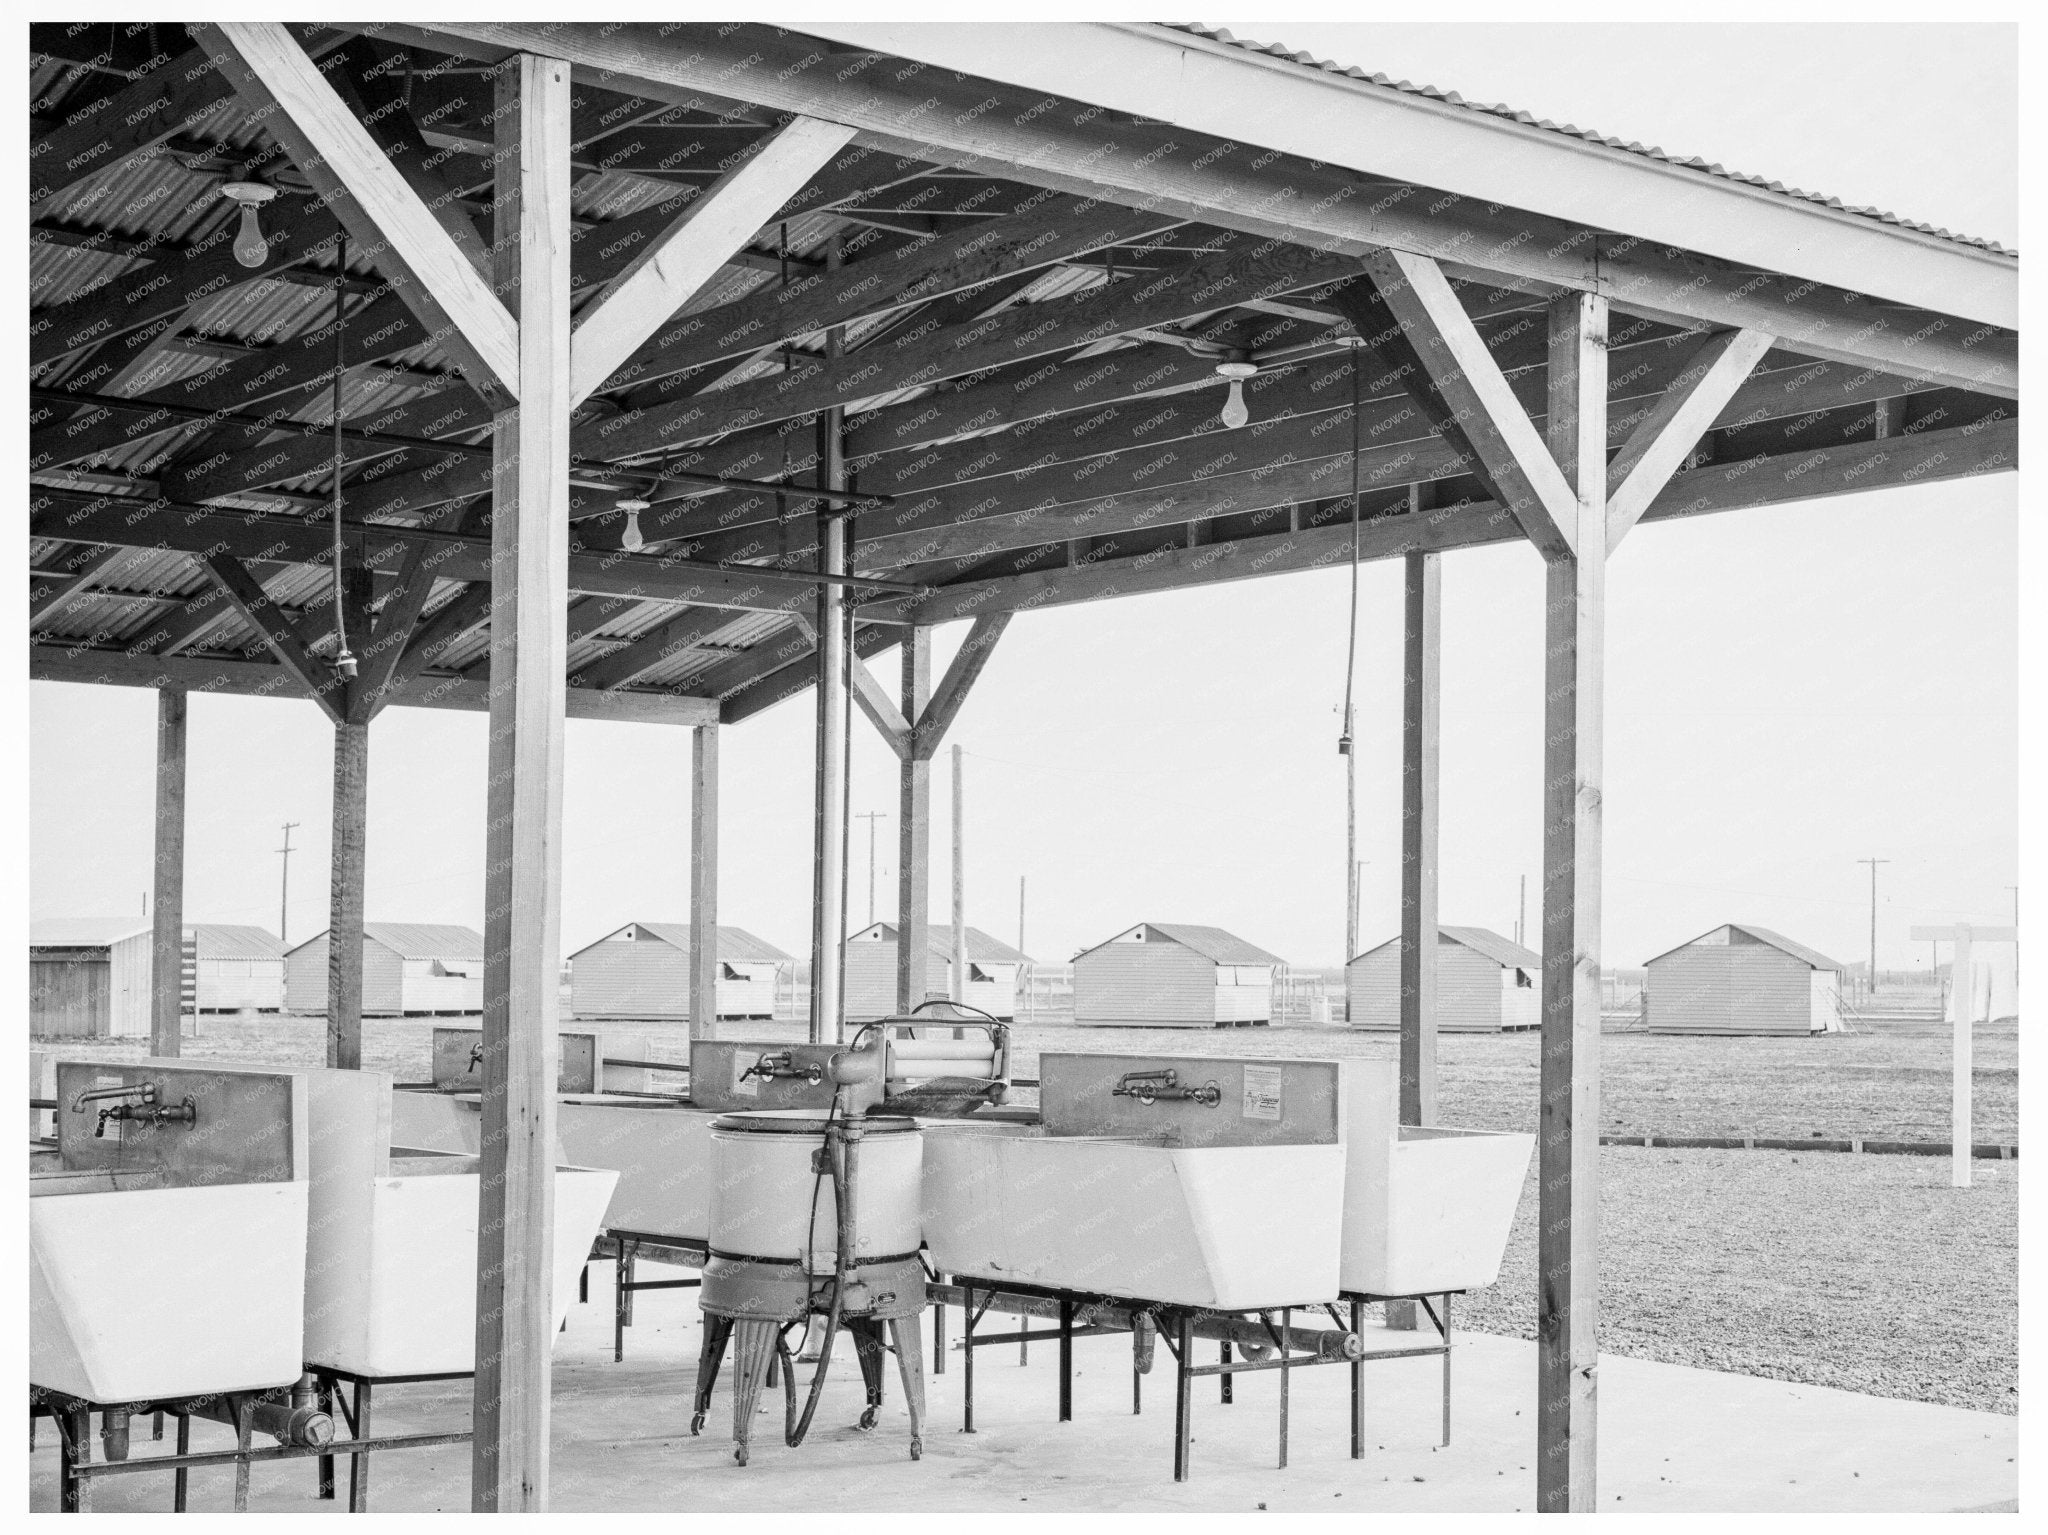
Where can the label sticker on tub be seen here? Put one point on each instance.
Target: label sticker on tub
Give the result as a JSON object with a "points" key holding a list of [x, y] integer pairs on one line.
{"points": [[1262, 1092]]}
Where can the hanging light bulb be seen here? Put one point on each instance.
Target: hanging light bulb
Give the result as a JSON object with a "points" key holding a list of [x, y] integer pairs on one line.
{"points": [[251, 249], [1235, 413], [631, 540]]}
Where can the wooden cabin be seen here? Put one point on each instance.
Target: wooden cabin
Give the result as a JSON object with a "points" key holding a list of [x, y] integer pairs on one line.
{"points": [[1174, 976], [408, 968], [643, 971], [1743, 979], [993, 968], [1485, 984]]}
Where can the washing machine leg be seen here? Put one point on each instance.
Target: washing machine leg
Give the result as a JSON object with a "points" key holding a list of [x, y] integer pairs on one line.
{"points": [[909, 1337], [717, 1332], [753, 1346]]}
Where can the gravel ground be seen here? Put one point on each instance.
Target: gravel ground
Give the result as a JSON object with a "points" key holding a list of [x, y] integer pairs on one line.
{"points": [[1865, 1273]]}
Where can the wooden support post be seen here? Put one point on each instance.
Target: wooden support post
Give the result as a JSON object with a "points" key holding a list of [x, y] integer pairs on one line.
{"points": [[167, 940], [1568, 1140], [1421, 709], [522, 884], [1962, 997], [704, 882], [834, 740], [960, 963], [914, 834], [345, 895]]}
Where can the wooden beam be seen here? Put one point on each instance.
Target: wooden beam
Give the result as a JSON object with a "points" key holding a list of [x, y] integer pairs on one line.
{"points": [[1421, 729], [515, 1328], [937, 718], [85, 568], [388, 642], [947, 117], [167, 912], [773, 684], [277, 631], [1473, 393], [1264, 545], [914, 833], [687, 630], [704, 956], [381, 209], [246, 678], [1568, 1135], [348, 870], [873, 699], [1664, 438], [702, 239]]}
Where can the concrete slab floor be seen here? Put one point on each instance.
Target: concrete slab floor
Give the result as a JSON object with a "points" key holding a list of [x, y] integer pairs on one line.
{"points": [[1672, 1439]]}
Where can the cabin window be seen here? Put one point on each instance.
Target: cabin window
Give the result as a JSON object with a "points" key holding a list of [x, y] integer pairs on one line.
{"points": [[978, 975], [727, 973], [1522, 978]]}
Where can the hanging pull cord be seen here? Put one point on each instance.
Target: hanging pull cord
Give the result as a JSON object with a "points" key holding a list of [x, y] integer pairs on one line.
{"points": [[1351, 647], [344, 663]]}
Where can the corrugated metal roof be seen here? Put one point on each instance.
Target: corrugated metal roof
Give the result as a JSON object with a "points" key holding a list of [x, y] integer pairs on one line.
{"points": [[1212, 943], [1799, 951], [418, 940], [733, 942], [1587, 135], [82, 932], [981, 947], [1502, 951], [228, 940]]}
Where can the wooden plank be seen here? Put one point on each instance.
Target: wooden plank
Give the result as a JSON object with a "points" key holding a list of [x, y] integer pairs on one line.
{"points": [[1664, 438], [382, 211], [961, 970], [167, 911], [1568, 1138], [277, 631], [523, 849], [348, 869], [702, 238], [773, 685], [937, 718], [704, 956], [685, 631], [880, 708], [85, 568], [379, 656], [1421, 730], [914, 832], [1474, 393]]}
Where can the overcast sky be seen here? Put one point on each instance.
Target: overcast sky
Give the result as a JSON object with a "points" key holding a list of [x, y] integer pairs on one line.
{"points": [[1789, 690]]}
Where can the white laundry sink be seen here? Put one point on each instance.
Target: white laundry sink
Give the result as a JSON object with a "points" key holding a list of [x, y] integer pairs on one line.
{"points": [[662, 1153], [1233, 1227], [391, 1266], [143, 1293], [426, 1120], [169, 1259], [1427, 1209]]}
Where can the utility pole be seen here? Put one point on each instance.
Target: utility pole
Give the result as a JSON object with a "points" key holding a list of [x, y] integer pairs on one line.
{"points": [[871, 816], [1023, 970], [1873, 862], [1522, 913], [1351, 880], [284, 885], [959, 884]]}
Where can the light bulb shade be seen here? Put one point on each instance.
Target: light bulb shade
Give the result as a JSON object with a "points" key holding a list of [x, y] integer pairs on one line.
{"points": [[251, 249], [630, 540], [1235, 413]]}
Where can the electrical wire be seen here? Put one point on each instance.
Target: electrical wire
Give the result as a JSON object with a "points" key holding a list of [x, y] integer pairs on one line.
{"points": [[344, 663]]}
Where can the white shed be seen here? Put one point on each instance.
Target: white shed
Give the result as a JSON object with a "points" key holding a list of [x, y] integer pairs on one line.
{"points": [[1743, 979], [992, 971], [643, 971], [1485, 984], [408, 967], [89, 978], [1174, 976], [237, 968]]}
